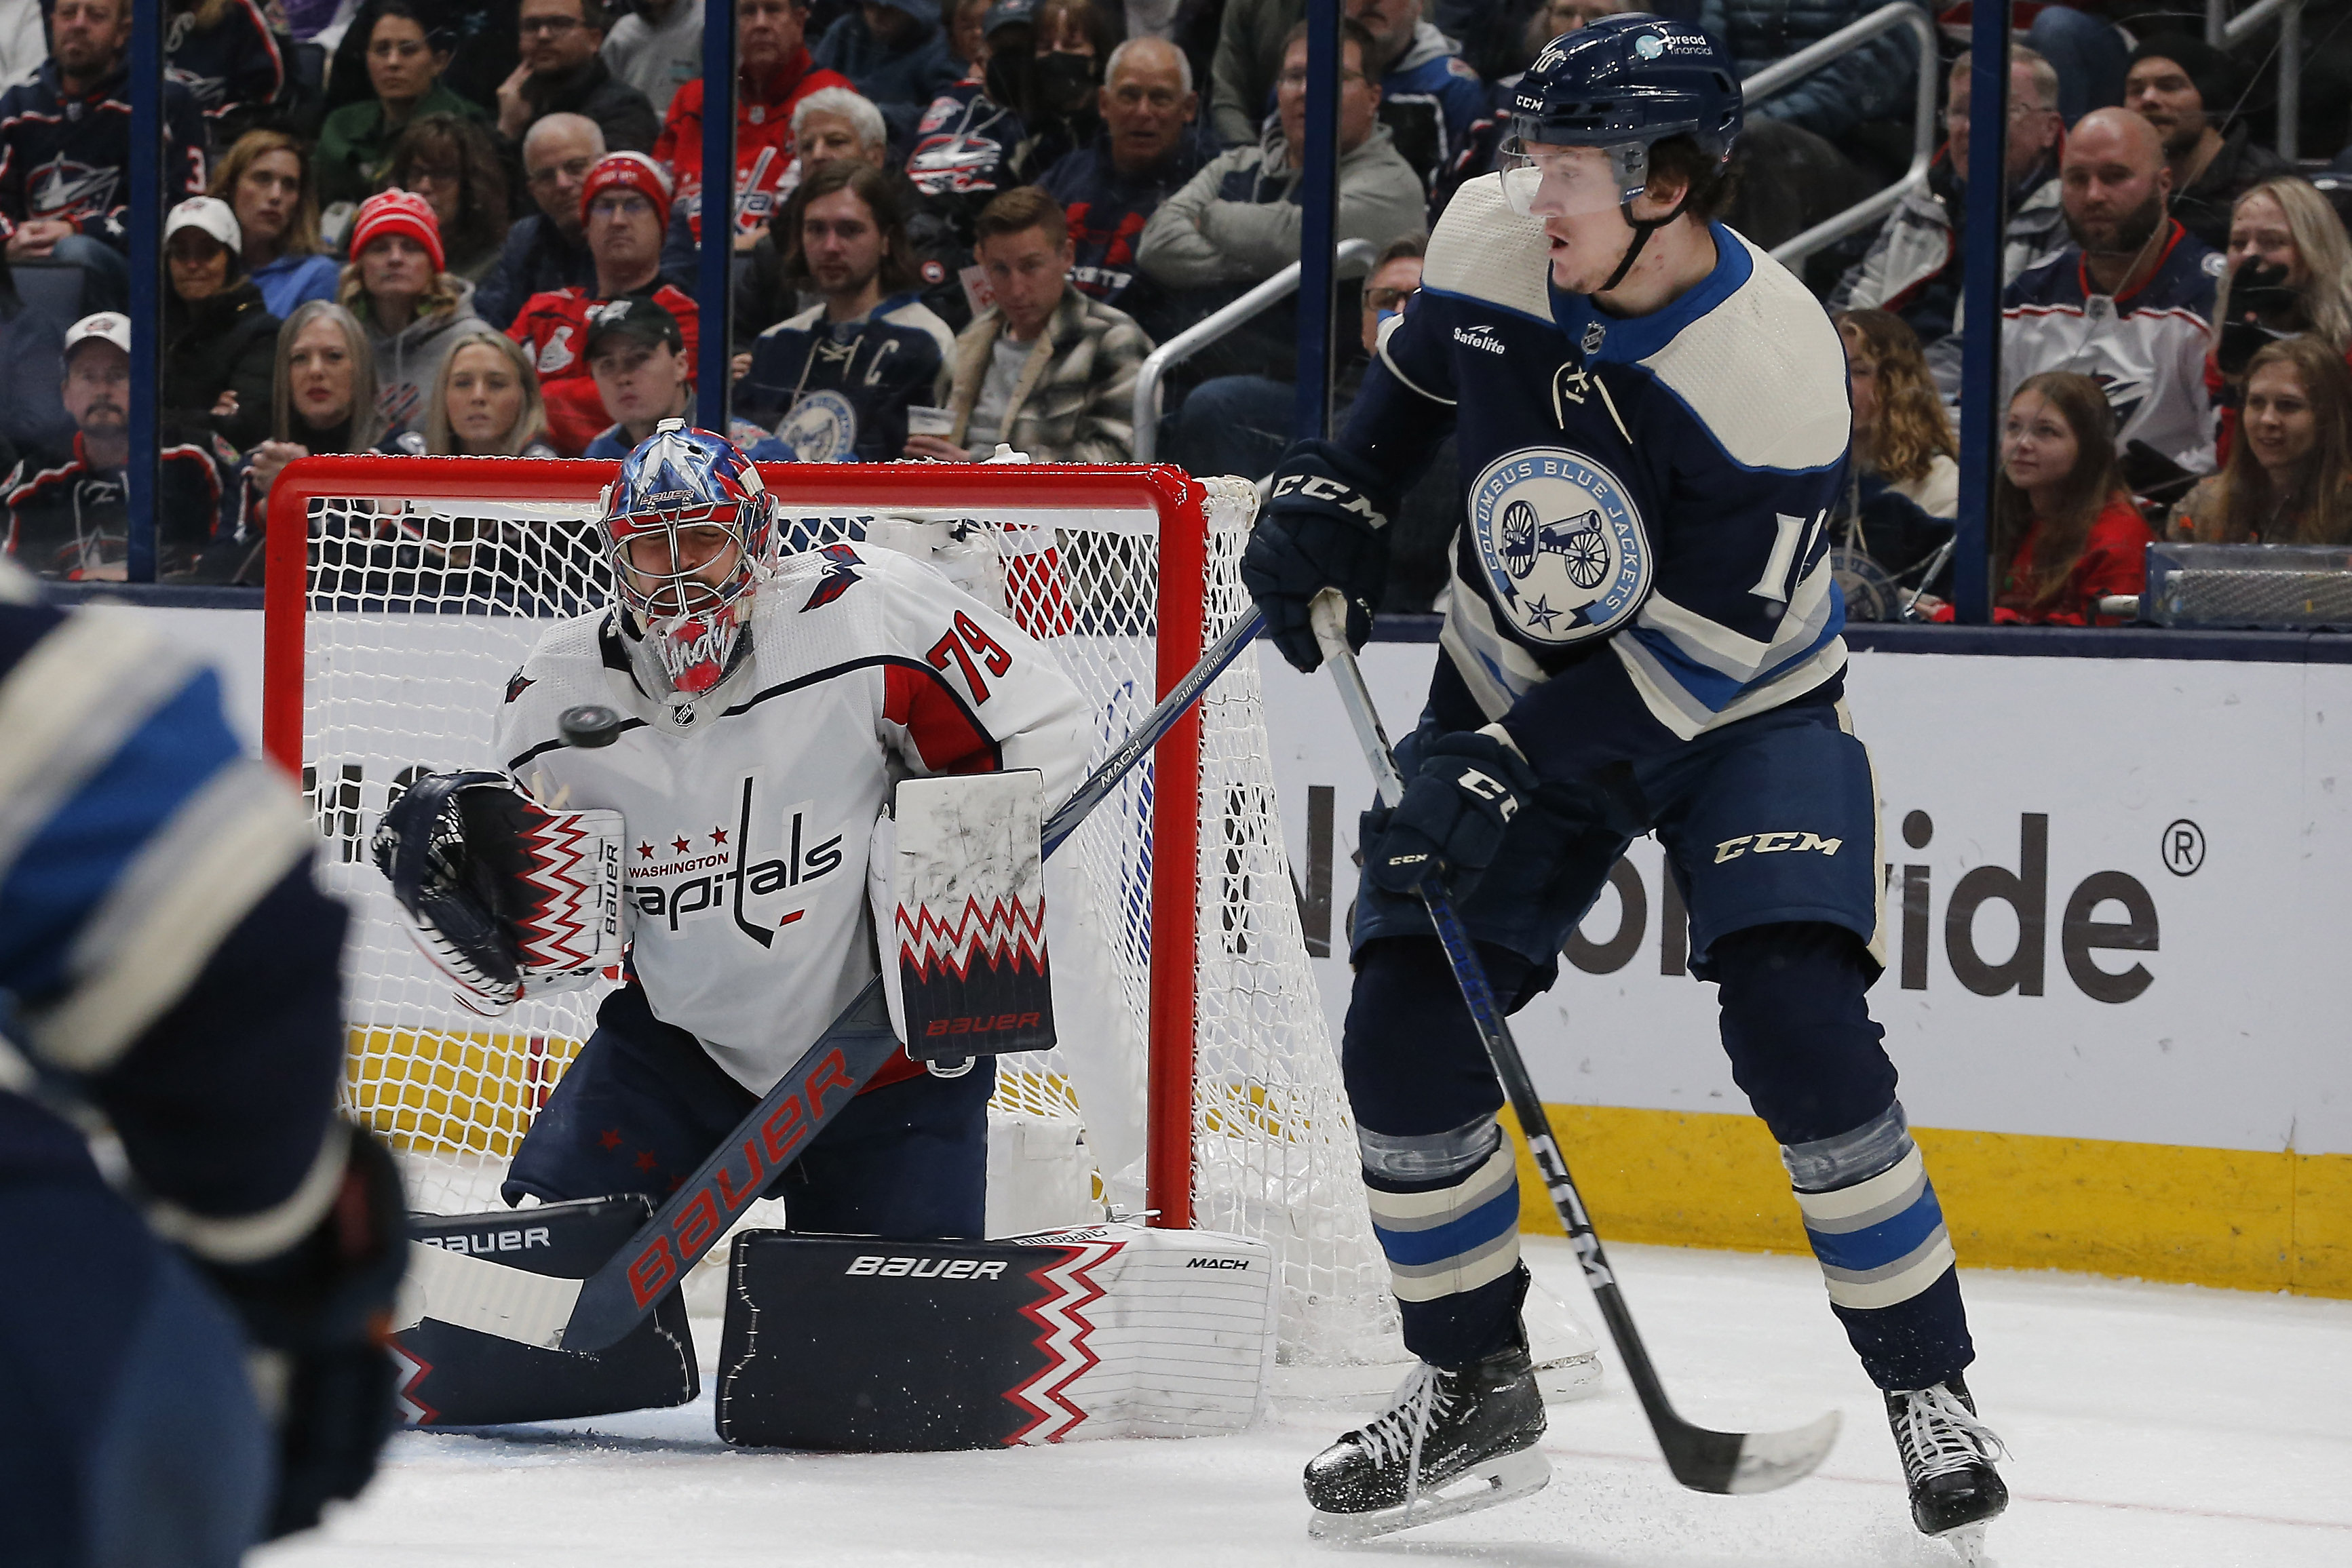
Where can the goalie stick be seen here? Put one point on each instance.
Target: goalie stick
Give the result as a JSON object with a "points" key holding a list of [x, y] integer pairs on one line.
{"points": [[1701, 1460], [589, 1314]]}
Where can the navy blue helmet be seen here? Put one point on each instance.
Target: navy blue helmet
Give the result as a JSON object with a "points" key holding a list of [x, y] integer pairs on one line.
{"points": [[1625, 83]]}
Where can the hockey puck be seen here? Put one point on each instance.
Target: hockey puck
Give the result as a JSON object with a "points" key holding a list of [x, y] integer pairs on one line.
{"points": [[589, 726]]}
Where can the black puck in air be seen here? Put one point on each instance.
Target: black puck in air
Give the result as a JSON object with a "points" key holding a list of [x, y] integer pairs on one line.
{"points": [[589, 726]]}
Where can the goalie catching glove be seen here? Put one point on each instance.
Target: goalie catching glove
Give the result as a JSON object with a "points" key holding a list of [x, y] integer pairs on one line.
{"points": [[508, 899], [1324, 526]]}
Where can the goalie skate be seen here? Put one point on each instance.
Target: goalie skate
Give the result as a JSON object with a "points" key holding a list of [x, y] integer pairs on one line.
{"points": [[1451, 1443]]}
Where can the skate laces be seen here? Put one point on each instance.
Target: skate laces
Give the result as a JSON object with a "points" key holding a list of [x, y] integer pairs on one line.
{"points": [[1940, 1436], [1397, 1432]]}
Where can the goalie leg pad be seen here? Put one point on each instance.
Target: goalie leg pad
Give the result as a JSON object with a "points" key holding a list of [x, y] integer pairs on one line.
{"points": [[452, 1377]]}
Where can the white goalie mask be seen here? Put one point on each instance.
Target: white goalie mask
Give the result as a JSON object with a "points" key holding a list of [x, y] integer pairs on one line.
{"points": [[689, 530]]}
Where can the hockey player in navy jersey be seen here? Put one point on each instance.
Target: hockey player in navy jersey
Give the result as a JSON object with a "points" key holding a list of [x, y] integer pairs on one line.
{"points": [[168, 969], [1642, 637]]}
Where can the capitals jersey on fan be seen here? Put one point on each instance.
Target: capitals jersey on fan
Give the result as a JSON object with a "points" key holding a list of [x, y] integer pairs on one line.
{"points": [[1642, 557], [837, 392], [553, 327], [748, 810], [69, 157], [767, 169], [2146, 348]]}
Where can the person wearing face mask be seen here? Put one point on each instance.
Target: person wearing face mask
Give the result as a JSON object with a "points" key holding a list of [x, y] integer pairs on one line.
{"points": [[218, 337], [2290, 272], [975, 139], [1071, 48], [2289, 478]]}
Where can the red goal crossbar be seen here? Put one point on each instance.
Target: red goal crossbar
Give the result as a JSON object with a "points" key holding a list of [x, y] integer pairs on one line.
{"points": [[1168, 492]]}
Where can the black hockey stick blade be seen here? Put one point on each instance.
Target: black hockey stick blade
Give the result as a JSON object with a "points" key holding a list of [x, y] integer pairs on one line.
{"points": [[591, 1313], [1700, 1458]]}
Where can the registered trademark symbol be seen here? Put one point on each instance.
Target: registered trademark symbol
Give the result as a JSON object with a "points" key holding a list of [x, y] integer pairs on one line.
{"points": [[2184, 848]]}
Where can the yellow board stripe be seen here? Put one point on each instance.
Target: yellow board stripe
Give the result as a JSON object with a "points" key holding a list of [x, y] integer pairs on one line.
{"points": [[2240, 1219]]}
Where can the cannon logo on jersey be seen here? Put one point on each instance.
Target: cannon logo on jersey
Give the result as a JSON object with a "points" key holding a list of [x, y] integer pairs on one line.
{"points": [[821, 428], [1563, 550]]}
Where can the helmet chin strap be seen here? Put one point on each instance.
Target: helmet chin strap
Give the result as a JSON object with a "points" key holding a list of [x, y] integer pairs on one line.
{"points": [[1643, 229]]}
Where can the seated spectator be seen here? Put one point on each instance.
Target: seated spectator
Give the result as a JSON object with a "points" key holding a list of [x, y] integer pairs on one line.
{"points": [[72, 519], [894, 52], [1917, 263], [450, 162], [266, 181], [2186, 89], [838, 123], [2064, 530], [33, 420], [1430, 97], [1251, 45], [637, 359], [220, 340], [561, 73], [398, 287], [1234, 224], [546, 250], [2289, 478], [408, 50], [773, 75], [2126, 304], [1421, 541], [1903, 478], [2090, 53], [1148, 150], [1068, 54], [486, 402], [226, 54], [657, 48], [974, 140], [324, 401], [1845, 100], [1044, 367], [624, 208], [966, 44], [2290, 273], [65, 151], [836, 381]]}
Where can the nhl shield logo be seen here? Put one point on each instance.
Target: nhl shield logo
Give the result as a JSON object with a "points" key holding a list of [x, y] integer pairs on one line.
{"points": [[1561, 545]]}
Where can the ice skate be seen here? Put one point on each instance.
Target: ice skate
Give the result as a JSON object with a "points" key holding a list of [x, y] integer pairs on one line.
{"points": [[1452, 1442], [1947, 1457]]}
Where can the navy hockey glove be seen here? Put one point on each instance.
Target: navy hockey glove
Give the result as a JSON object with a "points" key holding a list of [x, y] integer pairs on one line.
{"points": [[1324, 526], [1453, 815]]}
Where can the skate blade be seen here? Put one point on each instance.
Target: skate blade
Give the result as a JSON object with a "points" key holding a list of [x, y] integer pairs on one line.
{"points": [[1968, 1540], [1497, 1481]]}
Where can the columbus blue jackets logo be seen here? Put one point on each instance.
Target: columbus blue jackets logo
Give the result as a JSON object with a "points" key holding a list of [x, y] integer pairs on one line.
{"points": [[62, 188], [1560, 543], [821, 428]]}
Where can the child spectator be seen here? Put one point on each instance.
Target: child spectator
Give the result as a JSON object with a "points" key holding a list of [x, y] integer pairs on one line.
{"points": [[2287, 477], [324, 401], [563, 73], [1044, 367], [397, 286], [1903, 486], [2064, 530], [219, 339], [546, 250], [486, 403], [895, 52], [449, 160], [2290, 272], [406, 53], [266, 181], [227, 57]]}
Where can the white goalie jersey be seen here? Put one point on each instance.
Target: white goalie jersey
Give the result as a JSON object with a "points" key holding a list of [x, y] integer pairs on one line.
{"points": [[749, 809]]}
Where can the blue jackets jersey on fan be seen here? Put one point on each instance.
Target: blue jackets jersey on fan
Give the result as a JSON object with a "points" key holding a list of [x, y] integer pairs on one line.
{"points": [[1642, 557], [69, 158], [839, 391]]}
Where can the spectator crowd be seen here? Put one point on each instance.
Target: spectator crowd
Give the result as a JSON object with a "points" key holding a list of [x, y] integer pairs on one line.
{"points": [[962, 225]]}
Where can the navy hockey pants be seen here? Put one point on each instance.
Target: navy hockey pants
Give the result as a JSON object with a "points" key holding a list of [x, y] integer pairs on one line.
{"points": [[1769, 827], [643, 1104], [129, 1431]]}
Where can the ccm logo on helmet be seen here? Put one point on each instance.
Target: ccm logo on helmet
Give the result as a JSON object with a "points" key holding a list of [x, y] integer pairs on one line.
{"points": [[926, 1267], [1773, 844]]}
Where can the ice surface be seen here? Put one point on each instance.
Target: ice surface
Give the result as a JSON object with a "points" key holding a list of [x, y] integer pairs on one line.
{"points": [[2148, 1424]]}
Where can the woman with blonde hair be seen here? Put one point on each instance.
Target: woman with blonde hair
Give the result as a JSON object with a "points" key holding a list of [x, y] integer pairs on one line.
{"points": [[1903, 481], [2289, 272], [2289, 476], [486, 403], [266, 181], [325, 400], [2065, 533]]}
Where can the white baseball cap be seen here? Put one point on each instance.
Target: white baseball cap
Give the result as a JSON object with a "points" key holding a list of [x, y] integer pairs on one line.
{"points": [[211, 215], [107, 325]]}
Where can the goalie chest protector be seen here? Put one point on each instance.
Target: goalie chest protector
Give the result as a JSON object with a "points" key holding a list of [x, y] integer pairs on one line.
{"points": [[452, 1377], [849, 1343]]}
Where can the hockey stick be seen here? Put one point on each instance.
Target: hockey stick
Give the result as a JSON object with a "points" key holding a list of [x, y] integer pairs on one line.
{"points": [[1701, 1460], [589, 1314]]}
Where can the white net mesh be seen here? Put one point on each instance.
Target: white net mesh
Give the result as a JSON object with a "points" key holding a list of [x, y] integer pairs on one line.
{"points": [[419, 612]]}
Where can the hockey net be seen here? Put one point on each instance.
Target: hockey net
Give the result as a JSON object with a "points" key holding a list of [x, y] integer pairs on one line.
{"points": [[1209, 1092]]}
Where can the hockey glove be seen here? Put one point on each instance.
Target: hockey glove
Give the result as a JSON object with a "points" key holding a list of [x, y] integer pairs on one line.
{"points": [[505, 898], [319, 1314], [1324, 526], [1453, 816]]}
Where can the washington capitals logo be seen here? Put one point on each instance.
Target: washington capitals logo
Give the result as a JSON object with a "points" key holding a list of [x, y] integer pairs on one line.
{"points": [[839, 573], [517, 684]]}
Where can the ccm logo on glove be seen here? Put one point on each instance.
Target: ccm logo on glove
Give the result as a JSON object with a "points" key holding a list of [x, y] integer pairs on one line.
{"points": [[1320, 488], [1506, 805]]}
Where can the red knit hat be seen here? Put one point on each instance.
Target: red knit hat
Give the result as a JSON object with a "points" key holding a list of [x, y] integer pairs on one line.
{"points": [[398, 213], [629, 170]]}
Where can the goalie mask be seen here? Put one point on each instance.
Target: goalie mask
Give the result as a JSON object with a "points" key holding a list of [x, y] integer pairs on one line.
{"points": [[689, 530]]}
